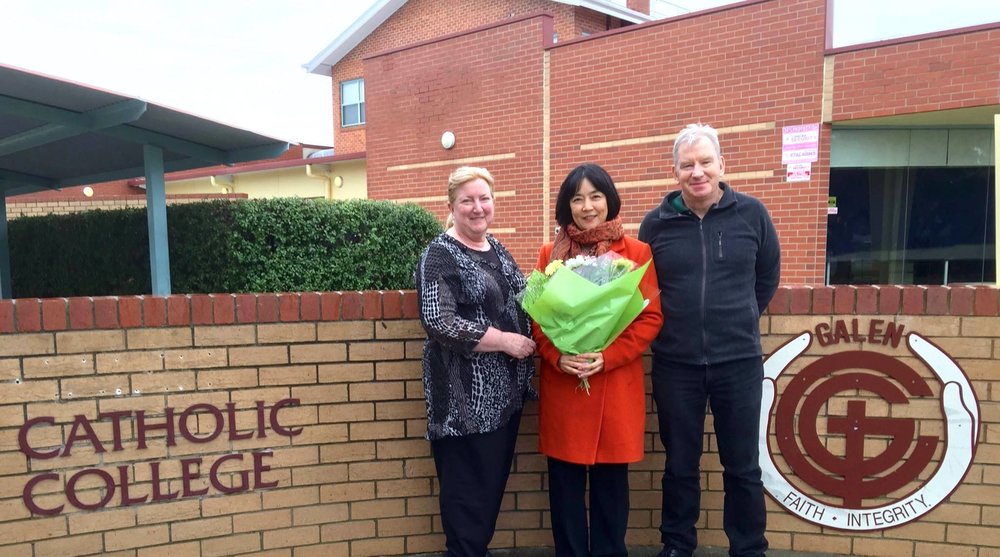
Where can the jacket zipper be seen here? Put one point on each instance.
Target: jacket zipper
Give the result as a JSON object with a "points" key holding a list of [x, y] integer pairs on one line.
{"points": [[720, 245], [704, 287]]}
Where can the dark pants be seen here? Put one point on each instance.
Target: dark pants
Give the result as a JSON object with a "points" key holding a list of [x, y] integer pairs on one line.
{"points": [[733, 389], [608, 508], [472, 472]]}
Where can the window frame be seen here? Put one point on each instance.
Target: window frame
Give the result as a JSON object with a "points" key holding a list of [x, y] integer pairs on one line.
{"points": [[360, 105]]}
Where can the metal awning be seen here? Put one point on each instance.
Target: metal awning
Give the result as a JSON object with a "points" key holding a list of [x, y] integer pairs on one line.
{"points": [[55, 133]]}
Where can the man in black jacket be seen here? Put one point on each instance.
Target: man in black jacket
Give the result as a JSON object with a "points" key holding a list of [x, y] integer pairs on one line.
{"points": [[718, 263]]}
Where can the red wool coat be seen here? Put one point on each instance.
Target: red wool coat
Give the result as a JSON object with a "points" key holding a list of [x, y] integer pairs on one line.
{"points": [[607, 426]]}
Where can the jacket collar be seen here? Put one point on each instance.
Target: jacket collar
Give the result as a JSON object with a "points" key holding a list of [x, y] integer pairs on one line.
{"points": [[668, 211]]}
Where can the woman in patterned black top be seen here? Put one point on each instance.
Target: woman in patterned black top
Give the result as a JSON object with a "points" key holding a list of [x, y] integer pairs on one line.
{"points": [[477, 362]]}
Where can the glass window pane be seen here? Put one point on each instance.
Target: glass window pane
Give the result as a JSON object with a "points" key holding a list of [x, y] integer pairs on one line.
{"points": [[349, 93], [349, 115], [362, 120], [860, 236], [948, 235], [869, 148], [912, 225], [970, 147], [928, 147]]}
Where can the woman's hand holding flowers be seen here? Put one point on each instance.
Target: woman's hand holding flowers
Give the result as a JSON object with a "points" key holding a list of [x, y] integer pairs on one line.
{"points": [[591, 363], [582, 366]]}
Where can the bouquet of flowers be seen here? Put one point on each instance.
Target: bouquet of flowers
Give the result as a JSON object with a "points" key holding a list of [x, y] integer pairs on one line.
{"points": [[584, 303]]}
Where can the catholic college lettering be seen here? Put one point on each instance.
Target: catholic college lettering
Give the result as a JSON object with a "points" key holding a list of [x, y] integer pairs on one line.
{"points": [[184, 423]]}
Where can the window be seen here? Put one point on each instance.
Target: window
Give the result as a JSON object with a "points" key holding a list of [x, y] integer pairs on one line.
{"points": [[352, 102], [912, 207]]}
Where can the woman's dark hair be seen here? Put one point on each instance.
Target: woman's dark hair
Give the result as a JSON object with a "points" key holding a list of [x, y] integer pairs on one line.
{"points": [[599, 178]]}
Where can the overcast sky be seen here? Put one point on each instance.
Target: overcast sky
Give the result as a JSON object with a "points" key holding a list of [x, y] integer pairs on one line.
{"points": [[234, 61], [240, 61]]}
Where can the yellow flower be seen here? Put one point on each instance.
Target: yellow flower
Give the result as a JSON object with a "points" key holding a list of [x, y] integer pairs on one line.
{"points": [[621, 266], [552, 267]]}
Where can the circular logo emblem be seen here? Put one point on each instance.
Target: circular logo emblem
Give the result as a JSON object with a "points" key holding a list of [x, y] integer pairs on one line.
{"points": [[850, 454]]}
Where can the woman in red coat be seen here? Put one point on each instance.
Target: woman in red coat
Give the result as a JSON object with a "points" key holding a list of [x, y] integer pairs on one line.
{"points": [[600, 433]]}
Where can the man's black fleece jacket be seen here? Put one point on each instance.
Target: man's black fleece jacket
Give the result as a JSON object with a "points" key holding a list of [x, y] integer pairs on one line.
{"points": [[716, 276]]}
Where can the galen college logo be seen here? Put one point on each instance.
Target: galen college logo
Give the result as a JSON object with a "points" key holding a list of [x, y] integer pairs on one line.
{"points": [[864, 451]]}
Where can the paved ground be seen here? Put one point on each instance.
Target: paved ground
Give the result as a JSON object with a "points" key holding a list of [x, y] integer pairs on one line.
{"points": [[648, 551]]}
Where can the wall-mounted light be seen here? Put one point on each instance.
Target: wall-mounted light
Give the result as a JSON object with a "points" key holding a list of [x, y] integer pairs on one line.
{"points": [[338, 181], [88, 191], [448, 140]]}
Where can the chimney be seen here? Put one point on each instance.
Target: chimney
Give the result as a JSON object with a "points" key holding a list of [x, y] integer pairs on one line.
{"points": [[639, 5]]}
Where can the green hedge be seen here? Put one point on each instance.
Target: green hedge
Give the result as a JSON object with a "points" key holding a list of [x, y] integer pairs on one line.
{"points": [[276, 245]]}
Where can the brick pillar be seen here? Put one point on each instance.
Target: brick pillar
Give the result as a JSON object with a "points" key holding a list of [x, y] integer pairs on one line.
{"points": [[639, 6]]}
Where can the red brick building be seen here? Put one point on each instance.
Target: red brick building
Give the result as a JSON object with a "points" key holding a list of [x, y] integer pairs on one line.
{"points": [[532, 88], [391, 24]]}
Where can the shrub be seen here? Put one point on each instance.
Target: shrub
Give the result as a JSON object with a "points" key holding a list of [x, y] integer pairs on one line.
{"points": [[277, 245]]}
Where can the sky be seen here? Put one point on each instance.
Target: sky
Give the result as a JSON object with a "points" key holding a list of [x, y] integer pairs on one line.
{"points": [[239, 62]]}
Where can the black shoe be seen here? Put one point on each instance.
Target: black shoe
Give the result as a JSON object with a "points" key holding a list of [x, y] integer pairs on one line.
{"points": [[672, 552]]}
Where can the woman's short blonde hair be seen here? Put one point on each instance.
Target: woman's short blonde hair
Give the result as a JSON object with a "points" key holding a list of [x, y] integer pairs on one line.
{"points": [[464, 174], [461, 176]]}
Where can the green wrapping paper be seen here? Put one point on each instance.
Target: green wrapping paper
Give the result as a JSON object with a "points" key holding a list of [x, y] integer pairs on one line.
{"points": [[579, 316]]}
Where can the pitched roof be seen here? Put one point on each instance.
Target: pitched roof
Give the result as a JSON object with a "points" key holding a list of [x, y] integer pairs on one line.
{"points": [[380, 11]]}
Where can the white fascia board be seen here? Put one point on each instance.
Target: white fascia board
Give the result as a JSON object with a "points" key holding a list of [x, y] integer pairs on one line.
{"points": [[375, 15]]}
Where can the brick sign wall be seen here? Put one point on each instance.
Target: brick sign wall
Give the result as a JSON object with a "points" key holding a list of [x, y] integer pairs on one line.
{"points": [[297, 421]]}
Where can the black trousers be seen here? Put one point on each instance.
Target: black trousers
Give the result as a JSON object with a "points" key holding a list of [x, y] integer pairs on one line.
{"points": [[609, 507], [472, 472], [733, 389]]}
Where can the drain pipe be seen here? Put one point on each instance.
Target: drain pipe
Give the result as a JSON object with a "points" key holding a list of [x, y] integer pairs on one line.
{"points": [[227, 183], [322, 174]]}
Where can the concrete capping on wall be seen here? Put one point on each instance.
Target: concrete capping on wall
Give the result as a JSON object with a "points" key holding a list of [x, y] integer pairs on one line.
{"points": [[29, 315], [911, 38], [979, 300], [546, 37]]}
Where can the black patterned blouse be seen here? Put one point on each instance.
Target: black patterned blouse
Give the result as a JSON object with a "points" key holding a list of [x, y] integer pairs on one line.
{"points": [[461, 293]]}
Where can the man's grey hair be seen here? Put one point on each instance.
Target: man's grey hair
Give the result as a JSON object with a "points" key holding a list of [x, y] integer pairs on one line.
{"points": [[692, 133]]}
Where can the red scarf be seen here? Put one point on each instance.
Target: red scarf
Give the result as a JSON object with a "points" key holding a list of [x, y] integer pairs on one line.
{"points": [[571, 241]]}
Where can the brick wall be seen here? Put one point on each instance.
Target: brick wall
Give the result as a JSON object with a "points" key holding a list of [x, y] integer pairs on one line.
{"points": [[937, 73], [420, 20], [638, 5], [618, 100], [358, 480], [485, 86]]}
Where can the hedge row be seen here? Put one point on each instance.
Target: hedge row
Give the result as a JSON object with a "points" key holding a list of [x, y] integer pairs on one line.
{"points": [[276, 245]]}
